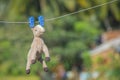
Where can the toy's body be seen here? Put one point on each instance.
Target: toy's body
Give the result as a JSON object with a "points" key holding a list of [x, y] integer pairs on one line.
{"points": [[38, 46]]}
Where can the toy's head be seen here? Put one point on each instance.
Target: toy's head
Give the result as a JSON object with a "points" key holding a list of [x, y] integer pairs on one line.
{"points": [[38, 30]]}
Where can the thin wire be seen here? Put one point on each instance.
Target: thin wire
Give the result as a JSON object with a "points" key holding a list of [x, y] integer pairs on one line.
{"points": [[5, 22], [82, 10]]}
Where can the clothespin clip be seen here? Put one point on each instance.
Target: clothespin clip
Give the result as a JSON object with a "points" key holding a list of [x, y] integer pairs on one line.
{"points": [[41, 20], [31, 22]]}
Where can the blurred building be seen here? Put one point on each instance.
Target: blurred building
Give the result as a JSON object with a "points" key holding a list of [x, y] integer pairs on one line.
{"points": [[109, 47]]}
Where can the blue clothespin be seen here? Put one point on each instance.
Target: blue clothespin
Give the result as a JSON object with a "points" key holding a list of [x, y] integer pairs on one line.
{"points": [[41, 20], [31, 21]]}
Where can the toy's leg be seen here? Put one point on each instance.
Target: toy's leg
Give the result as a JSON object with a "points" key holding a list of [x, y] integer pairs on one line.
{"points": [[40, 59], [45, 50], [44, 66], [28, 66], [33, 55], [31, 59], [28, 62], [43, 63]]}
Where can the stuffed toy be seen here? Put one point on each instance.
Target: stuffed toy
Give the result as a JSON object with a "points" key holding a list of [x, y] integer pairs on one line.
{"points": [[37, 48]]}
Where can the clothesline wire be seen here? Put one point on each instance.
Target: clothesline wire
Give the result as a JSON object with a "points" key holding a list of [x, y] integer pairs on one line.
{"points": [[50, 19], [13, 22], [82, 10]]}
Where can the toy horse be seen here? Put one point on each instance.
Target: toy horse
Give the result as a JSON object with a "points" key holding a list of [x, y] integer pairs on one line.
{"points": [[38, 46]]}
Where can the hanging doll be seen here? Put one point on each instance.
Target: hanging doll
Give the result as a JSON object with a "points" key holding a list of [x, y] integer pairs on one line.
{"points": [[37, 47]]}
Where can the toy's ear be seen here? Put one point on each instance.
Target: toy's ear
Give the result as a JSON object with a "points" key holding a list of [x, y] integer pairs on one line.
{"points": [[32, 29]]}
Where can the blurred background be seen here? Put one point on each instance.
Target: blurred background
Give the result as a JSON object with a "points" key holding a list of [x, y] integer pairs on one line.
{"points": [[83, 46]]}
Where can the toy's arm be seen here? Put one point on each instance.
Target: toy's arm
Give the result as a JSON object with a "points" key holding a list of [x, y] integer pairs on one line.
{"points": [[31, 58], [45, 50], [33, 50]]}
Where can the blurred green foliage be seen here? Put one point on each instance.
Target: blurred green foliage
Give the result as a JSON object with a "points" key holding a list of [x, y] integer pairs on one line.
{"points": [[109, 71], [66, 38], [20, 78], [87, 61]]}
